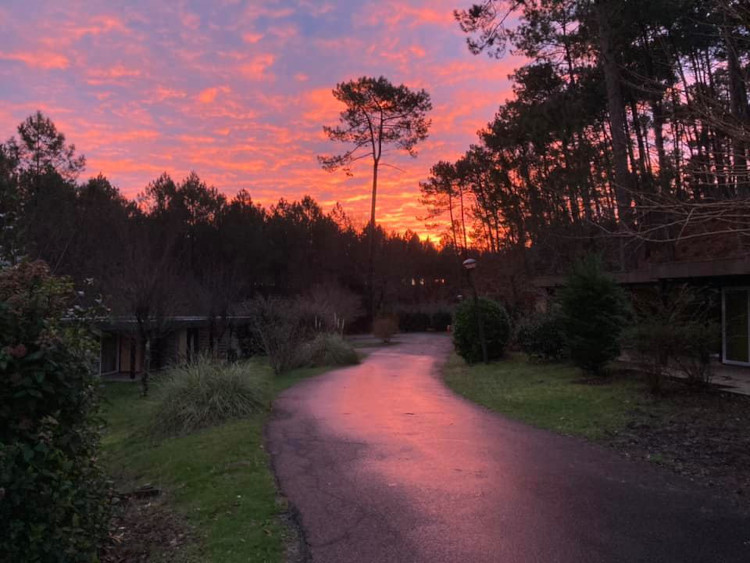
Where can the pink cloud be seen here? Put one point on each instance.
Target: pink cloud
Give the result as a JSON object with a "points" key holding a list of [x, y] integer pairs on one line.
{"points": [[257, 67], [252, 38], [165, 93], [393, 13], [115, 74], [239, 91], [41, 60], [190, 20], [209, 95], [96, 25], [321, 107]]}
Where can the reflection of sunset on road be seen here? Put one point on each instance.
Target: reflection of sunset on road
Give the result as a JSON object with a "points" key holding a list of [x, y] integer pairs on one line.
{"points": [[239, 92]]}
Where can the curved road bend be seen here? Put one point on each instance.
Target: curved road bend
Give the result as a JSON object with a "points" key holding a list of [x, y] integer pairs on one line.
{"points": [[385, 464]]}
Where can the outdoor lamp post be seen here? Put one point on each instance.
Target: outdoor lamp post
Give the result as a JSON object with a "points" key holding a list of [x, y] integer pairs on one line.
{"points": [[470, 265]]}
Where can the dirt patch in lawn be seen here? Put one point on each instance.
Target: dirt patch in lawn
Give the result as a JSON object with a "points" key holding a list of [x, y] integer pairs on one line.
{"points": [[146, 530], [703, 436]]}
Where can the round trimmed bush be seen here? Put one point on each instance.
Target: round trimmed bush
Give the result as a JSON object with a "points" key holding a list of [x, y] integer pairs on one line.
{"points": [[496, 325]]}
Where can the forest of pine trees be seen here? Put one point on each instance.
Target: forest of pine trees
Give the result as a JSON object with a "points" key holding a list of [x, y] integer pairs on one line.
{"points": [[627, 134], [182, 247]]}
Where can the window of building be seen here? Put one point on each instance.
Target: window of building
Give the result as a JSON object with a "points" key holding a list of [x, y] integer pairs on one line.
{"points": [[735, 306]]}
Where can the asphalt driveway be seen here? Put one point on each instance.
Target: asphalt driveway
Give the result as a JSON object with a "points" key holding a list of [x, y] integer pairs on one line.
{"points": [[385, 464]]}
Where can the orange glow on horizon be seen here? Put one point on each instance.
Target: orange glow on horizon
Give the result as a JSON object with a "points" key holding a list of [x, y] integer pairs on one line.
{"points": [[239, 93]]}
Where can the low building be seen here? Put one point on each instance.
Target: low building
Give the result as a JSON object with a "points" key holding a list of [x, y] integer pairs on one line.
{"points": [[730, 277], [180, 339]]}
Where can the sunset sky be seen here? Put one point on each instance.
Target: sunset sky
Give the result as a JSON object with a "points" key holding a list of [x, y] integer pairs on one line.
{"points": [[239, 91]]}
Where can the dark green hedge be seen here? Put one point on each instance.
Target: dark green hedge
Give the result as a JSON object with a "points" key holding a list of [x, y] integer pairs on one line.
{"points": [[496, 324]]}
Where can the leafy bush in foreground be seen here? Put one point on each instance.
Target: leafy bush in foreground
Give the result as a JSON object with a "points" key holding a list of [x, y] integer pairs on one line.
{"points": [[594, 313], [328, 349], [206, 393], [54, 499], [496, 325], [542, 336]]}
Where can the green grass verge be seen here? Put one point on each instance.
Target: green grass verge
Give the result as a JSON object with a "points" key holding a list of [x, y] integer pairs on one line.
{"points": [[551, 396], [218, 478]]}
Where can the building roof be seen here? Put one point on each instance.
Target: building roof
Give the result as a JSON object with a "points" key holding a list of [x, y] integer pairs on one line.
{"points": [[726, 268], [130, 323]]}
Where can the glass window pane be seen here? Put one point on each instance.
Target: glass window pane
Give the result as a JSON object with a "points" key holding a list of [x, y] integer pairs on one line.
{"points": [[109, 353], [737, 342]]}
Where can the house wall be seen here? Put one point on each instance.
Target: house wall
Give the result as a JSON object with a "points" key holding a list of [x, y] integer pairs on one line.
{"points": [[126, 343], [109, 348], [170, 348], [173, 348], [182, 349], [203, 341]]}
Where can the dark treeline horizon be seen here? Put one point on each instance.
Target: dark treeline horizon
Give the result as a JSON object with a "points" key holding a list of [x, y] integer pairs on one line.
{"points": [[628, 136], [183, 247]]}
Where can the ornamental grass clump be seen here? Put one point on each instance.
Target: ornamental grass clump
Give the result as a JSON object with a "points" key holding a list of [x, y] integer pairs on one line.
{"points": [[328, 349], [207, 393]]}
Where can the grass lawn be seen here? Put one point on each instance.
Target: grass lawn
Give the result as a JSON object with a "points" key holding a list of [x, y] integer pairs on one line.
{"points": [[219, 478], [704, 436], [557, 397]]}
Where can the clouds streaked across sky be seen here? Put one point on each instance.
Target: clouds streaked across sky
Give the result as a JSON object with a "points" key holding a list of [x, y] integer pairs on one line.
{"points": [[239, 91]]}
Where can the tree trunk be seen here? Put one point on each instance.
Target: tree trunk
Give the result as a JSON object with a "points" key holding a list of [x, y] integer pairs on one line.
{"points": [[738, 100], [616, 107], [146, 365], [371, 257], [658, 115], [463, 221]]}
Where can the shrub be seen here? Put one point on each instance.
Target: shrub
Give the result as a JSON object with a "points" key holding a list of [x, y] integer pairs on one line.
{"points": [[594, 313], [331, 308], [652, 342], [278, 327], [413, 321], [385, 327], [206, 393], [496, 325], [249, 342], [697, 341], [328, 349], [54, 499], [542, 336], [424, 318], [675, 327], [440, 320]]}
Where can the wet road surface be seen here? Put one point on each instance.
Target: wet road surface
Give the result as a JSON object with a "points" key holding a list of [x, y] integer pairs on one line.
{"points": [[385, 464]]}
